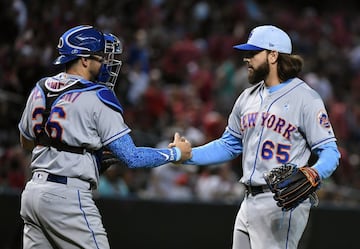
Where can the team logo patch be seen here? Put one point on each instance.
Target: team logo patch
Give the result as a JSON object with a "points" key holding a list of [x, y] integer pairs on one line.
{"points": [[324, 119]]}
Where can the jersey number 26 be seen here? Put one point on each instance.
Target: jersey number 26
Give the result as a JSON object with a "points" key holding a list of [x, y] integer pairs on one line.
{"points": [[52, 127]]}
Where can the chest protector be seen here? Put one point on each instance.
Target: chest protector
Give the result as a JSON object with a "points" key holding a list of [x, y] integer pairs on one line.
{"points": [[42, 137]]}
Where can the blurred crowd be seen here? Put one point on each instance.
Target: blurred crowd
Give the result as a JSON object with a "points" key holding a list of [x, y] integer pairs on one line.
{"points": [[180, 73]]}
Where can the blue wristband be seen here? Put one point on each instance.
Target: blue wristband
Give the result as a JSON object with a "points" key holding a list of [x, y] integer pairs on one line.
{"points": [[177, 153]]}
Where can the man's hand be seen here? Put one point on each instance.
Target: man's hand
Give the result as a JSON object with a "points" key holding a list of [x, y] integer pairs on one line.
{"points": [[184, 145]]}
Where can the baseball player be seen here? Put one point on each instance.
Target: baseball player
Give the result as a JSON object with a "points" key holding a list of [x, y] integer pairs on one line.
{"points": [[278, 120], [67, 121]]}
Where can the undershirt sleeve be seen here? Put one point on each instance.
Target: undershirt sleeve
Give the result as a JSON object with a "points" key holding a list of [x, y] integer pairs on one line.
{"points": [[142, 157], [328, 161], [218, 151]]}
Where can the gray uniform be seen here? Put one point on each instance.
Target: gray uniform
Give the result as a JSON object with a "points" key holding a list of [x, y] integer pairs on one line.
{"points": [[81, 119], [275, 128], [279, 127]]}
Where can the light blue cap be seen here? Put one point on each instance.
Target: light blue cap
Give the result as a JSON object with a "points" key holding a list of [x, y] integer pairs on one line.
{"points": [[267, 37]]}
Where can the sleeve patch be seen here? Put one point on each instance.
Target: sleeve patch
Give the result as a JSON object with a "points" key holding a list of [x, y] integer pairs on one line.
{"points": [[324, 119]]}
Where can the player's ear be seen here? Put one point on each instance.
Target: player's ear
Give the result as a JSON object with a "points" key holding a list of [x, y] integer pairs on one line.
{"points": [[84, 61], [273, 56]]}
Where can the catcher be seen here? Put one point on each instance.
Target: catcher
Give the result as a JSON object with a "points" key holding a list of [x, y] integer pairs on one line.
{"points": [[277, 121], [68, 121]]}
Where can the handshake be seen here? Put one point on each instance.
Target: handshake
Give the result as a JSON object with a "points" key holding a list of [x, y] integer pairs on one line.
{"points": [[184, 145]]}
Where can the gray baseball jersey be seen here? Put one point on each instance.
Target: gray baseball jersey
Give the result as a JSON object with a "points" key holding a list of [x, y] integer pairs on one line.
{"points": [[278, 127], [78, 118]]}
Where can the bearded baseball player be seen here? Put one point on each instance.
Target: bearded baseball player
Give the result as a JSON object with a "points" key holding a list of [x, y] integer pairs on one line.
{"points": [[276, 124], [68, 120]]}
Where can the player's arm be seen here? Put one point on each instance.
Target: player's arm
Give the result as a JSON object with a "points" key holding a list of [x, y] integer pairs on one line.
{"points": [[328, 161], [26, 143], [146, 157], [218, 151], [26, 139]]}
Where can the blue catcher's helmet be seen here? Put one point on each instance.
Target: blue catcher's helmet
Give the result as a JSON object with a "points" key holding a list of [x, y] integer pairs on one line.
{"points": [[84, 41]]}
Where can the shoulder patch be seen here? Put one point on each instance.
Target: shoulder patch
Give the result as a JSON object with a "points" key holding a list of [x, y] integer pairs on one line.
{"points": [[108, 97], [324, 119]]}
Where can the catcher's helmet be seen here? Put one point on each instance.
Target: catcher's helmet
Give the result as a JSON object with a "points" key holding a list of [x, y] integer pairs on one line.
{"points": [[84, 41]]}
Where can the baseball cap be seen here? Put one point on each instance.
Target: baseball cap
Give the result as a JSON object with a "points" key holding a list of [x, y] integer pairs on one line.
{"points": [[267, 37]]}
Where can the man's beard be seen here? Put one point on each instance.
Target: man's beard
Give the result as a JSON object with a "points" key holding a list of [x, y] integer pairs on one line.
{"points": [[259, 74]]}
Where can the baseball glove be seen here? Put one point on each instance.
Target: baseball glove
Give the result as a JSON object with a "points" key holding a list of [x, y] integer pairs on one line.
{"points": [[292, 185], [107, 159]]}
